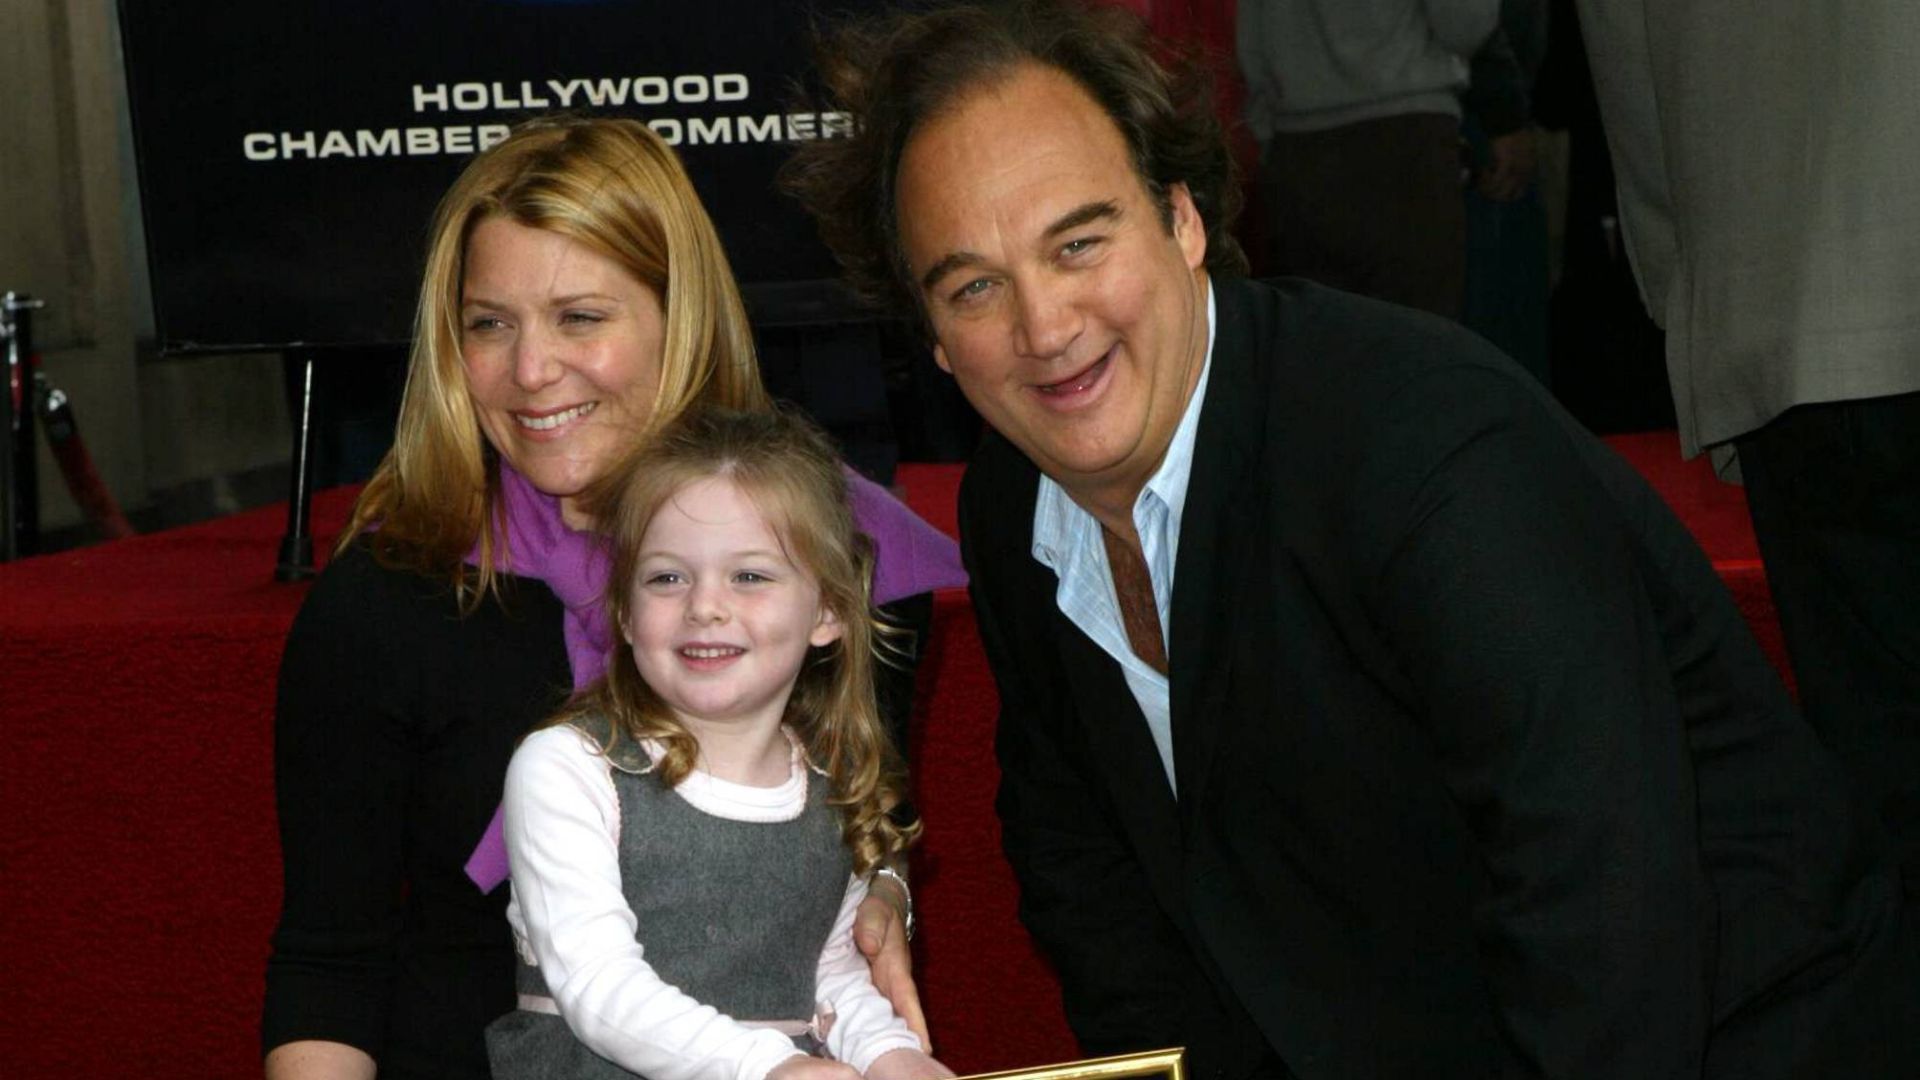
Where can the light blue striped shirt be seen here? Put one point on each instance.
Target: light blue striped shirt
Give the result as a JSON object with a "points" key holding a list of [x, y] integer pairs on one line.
{"points": [[1066, 540]]}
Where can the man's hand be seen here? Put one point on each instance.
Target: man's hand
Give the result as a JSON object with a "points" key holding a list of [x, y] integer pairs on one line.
{"points": [[802, 1067], [880, 933], [1512, 160], [907, 1065]]}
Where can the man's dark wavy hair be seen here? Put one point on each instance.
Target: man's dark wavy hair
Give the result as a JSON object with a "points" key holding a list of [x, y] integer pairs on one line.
{"points": [[893, 72]]}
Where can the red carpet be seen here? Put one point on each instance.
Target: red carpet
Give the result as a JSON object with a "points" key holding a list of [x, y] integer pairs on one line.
{"points": [[1716, 513], [141, 861]]}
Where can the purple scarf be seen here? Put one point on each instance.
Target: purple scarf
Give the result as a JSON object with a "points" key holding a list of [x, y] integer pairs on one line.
{"points": [[911, 557]]}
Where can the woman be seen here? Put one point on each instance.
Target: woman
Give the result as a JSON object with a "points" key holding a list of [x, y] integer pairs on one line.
{"points": [[575, 298]]}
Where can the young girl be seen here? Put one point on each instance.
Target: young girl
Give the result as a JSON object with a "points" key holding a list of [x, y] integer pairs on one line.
{"points": [[690, 837]]}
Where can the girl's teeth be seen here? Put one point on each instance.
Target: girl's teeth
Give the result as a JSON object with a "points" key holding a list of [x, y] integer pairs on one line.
{"points": [[710, 654], [548, 423]]}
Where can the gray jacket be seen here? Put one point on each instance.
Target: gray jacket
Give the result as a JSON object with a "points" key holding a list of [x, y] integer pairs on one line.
{"points": [[1317, 64], [1766, 171]]}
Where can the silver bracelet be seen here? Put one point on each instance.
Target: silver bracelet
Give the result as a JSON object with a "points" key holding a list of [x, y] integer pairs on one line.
{"points": [[889, 872]]}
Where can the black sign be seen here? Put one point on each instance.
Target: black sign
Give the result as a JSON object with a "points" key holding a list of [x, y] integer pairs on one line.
{"points": [[291, 151]]}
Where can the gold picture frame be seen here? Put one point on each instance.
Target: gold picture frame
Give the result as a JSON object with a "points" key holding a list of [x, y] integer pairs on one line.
{"points": [[1168, 1063]]}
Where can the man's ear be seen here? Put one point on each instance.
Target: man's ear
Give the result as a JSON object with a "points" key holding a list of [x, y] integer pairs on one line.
{"points": [[940, 357], [827, 630], [1189, 231]]}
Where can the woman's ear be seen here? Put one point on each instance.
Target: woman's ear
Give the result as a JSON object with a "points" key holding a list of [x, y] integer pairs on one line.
{"points": [[827, 630]]}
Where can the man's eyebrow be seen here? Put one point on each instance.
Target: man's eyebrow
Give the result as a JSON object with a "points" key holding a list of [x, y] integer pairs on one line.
{"points": [[1087, 214], [1104, 210], [953, 261]]}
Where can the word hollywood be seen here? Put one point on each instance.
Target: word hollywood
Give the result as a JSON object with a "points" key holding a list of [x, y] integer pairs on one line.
{"points": [[579, 93]]}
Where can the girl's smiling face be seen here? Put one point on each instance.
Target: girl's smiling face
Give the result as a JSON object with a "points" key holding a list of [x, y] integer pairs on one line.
{"points": [[719, 619]]}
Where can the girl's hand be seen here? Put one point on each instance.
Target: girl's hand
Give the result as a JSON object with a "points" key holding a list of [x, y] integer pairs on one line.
{"points": [[880, 933], [801, 1067], [907, 1065]]}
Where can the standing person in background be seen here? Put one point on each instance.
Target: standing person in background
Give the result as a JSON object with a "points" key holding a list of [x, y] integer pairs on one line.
{"points": [[1506, 293], [575, 298], [1766, 164], [1356, 106]]}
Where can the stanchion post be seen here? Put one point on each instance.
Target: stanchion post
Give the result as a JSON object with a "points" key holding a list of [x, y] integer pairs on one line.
{"points": [[19, 467], [296, 548], [7, 411]]}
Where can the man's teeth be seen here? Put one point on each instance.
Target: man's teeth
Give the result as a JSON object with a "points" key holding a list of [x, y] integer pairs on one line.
{"points": [[548, 423], [1076, 383], [713, 652]]}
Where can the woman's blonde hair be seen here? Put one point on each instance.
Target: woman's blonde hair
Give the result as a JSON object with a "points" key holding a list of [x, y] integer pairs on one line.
{"points": [[788, 469], [615, 188]]}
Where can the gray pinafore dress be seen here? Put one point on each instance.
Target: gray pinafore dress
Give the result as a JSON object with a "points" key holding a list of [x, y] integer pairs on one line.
{"points": [[734, 913]]}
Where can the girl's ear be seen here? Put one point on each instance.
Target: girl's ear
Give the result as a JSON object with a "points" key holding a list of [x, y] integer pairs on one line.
{"points": [[827, 630]]}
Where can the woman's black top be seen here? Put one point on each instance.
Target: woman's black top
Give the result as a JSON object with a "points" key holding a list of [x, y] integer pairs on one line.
{"points": [[395, 720]]}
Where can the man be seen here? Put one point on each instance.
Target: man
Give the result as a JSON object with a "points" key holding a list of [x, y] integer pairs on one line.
{"points": [[1766, 192], [1361, 715]]}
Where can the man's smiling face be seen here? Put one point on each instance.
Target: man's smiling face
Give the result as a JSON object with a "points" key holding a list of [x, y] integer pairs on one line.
{"points": [[1070, 312]]}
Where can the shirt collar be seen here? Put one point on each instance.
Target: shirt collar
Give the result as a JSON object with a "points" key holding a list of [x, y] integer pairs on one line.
{"points": [[1169, 481]]}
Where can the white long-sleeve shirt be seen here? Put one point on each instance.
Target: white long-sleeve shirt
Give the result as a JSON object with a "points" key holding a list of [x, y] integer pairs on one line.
{"points": [[569, 915]]}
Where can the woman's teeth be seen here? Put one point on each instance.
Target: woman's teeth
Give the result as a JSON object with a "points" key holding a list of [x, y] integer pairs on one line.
{"points": [[548, 423]]}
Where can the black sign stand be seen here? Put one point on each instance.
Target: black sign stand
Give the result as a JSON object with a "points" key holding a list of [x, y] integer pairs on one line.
{"points": [[296, 547]]}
